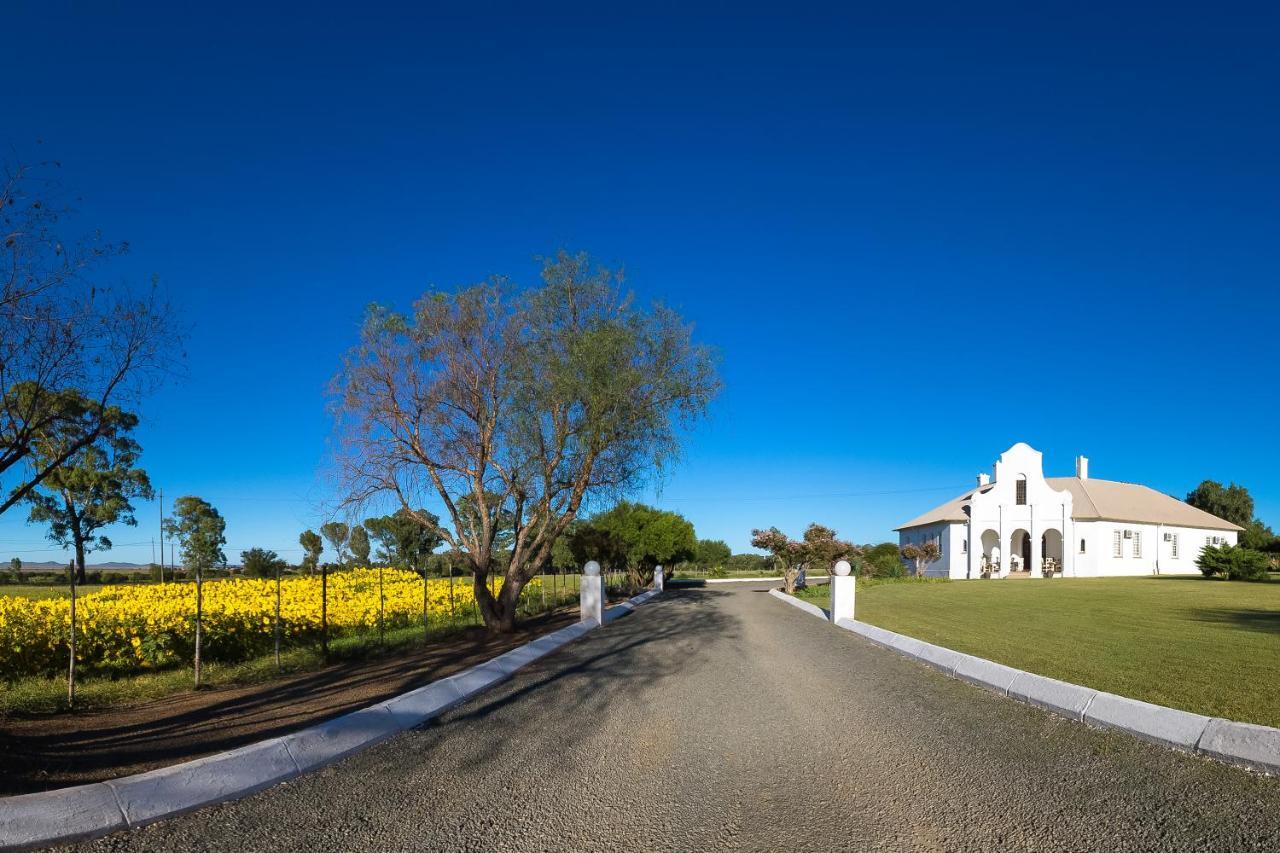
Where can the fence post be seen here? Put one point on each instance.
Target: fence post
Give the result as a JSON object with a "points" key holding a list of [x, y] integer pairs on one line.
{"points": [[591, 594], [843, 586], [657, 578]]}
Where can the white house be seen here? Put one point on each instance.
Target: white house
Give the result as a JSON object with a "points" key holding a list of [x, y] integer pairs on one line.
{"points": [[1023, 524]]}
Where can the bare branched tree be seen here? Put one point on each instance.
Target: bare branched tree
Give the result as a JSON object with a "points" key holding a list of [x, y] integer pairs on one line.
{"points": [[511, 408], [63, 339]]}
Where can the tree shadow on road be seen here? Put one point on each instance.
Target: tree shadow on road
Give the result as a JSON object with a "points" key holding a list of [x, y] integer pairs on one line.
{"points": [[578, 687]]}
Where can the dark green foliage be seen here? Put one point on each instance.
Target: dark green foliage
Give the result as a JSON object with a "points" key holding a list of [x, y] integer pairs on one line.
{"points": [[358, 542], [1232, 503], [403, 540], [337, 535], [643, 537], [712, 554], [1258, 537], [94, 485], [312, 548], [1233, 562], [201, 532], [748, 563], [882, 561], [261, 563]]}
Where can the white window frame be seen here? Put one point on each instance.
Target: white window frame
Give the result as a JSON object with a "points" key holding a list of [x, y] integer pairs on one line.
{"points": [[1137, 545], [1117, 547], [1082, 548], [1173, 546]]}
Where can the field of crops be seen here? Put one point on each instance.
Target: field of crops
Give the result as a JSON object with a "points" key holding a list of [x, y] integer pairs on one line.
{"points": [[136, 628]]}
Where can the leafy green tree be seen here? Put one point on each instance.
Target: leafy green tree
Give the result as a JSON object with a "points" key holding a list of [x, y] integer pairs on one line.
{"points": [[403, 540], [586, 542], [312, 548], [337, 535], [882, 561], [358, 542], [16, 564], [201, 532], [261, 563], [93, 487], [529, 402], [747, 563], [712, 554], [1258, 536], [1232, 503], [649, 538]]}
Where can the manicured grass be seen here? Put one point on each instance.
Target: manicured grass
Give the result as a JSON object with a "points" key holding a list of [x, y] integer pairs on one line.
{"points": [[1208, 646]]}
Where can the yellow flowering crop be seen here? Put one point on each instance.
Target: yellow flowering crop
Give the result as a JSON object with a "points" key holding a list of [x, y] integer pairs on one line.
{"points": [[152, 626]]}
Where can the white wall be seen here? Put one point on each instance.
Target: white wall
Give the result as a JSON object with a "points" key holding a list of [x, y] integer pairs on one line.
{"points": [[1157, 554]]}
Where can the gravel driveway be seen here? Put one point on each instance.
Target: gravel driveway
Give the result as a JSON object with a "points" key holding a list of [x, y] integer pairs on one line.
{"points": [[721, 719]]}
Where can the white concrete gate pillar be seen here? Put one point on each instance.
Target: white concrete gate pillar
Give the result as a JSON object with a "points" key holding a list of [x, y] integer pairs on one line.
{"points": [[658, 578], [843, 588], [591, 594]]}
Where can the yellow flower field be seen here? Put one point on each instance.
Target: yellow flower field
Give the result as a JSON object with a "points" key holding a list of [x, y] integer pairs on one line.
{"points": [[136, 627]]}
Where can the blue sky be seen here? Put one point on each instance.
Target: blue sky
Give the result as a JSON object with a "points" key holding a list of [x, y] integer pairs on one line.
{"points": [[917, 234]]}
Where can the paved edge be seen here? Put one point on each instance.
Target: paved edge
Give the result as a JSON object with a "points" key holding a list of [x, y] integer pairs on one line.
{"points": [[30, 821], [1244, 745]]}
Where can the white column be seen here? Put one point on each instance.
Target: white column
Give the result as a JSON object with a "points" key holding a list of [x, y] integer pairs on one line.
{"points": [[658, 578], [970, 564], [591, 594], [843, 587]]}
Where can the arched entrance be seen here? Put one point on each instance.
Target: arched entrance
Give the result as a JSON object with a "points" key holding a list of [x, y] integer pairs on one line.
{"points": [[1020, 551], [990, 554], [1051, 551]]}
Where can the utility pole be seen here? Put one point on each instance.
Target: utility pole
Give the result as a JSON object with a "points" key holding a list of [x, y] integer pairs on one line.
{"points": [[162, 536]]}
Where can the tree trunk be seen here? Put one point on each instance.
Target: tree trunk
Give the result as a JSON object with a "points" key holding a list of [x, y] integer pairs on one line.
{"points": [[789, 575], [499, 612]]}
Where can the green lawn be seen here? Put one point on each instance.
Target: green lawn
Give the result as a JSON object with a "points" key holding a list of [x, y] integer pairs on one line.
{"points": [[1207, 646]]}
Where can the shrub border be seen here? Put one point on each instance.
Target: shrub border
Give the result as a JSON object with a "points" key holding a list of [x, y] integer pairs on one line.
{"points": [[89, 811], [1245, 745]]}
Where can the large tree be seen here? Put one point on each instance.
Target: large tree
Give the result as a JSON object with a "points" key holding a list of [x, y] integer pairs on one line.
{"points": [[261, 563], [529, 402], [358, 543], [1231, 503], [312, 548], [201, 532], [93, 487], [649, 537], [338, 535], [712, 554], [403, 540], [71, 351]]}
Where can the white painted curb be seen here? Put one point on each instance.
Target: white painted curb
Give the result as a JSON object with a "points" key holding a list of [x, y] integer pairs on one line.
{"points": [[1241, 744], [807, 606], [29, 821]]}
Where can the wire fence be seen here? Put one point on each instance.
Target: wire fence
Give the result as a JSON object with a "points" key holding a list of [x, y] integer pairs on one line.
{"points": [[126, 629]]}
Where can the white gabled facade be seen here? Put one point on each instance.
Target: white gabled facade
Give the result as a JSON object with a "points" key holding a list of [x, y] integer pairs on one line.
{"points": [[1021, 522]]}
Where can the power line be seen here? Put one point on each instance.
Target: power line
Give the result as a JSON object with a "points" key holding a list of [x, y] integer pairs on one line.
{"points": [[724, 499]]}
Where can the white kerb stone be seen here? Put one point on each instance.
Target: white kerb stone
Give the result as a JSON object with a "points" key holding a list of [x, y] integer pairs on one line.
{"points": [[1155, 723], [1245, 744], [37, 820], [1070, 700]]}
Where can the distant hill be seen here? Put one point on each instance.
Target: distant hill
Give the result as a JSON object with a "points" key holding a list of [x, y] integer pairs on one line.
{"points": [[47, 565]]}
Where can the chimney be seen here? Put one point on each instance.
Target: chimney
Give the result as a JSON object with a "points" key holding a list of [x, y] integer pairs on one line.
{"points": [[1082, 467], [984, 480]]}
